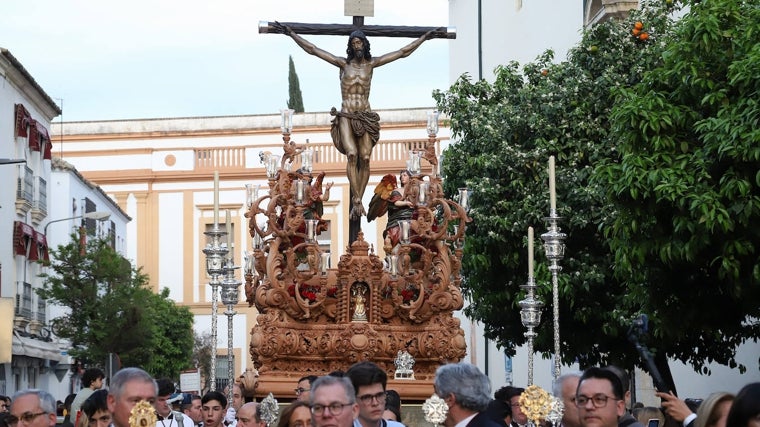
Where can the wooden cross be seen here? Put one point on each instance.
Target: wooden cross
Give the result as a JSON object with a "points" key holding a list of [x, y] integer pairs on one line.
{"points": [[359, 9]]}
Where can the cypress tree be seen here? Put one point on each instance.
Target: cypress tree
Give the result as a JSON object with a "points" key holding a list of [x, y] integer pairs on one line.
{"points": [[295, 100]]}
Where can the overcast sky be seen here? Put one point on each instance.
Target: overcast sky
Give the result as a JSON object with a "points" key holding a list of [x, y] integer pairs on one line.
{"points": [[102, 59]]}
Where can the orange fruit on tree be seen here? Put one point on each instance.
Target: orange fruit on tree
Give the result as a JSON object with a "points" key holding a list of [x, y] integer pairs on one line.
{"points": [[635, 32], [643, 36], [638, 25]]}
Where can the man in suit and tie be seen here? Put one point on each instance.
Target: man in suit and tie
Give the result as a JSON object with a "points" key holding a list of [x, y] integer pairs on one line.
{"points": [[467, 392]]}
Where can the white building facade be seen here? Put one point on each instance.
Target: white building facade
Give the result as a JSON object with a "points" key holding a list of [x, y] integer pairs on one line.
{"points": [[45, 199]]}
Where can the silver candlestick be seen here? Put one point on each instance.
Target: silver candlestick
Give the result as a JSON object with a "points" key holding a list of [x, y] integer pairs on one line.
{"points": [[230, 297], [554, 247], [530, 313], [215, 254]]}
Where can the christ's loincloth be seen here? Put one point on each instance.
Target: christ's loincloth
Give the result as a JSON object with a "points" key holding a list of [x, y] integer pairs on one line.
{"points": [[362, 122]]}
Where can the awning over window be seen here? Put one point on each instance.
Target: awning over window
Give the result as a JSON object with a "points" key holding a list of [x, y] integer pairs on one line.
{"points": [[23, 238], [38, 136], [23, 120], [39, 249], [31, 347]]}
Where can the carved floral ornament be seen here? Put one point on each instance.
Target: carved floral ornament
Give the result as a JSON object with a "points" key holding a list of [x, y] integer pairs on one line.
{"points": [[327, 318]]}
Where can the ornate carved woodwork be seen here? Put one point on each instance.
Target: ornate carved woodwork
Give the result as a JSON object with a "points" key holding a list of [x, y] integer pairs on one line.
{"points": [[315, 320]]}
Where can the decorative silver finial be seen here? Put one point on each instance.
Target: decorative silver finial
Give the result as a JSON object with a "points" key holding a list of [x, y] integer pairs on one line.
{"points": [[269, 409], [404, 364], [435, 410]]}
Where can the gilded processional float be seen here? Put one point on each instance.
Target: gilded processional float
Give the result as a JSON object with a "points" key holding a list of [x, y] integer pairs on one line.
{"points": [[394, 310]]}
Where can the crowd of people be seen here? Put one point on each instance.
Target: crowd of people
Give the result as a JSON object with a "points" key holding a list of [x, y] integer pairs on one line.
{"points": [[596, 397]]}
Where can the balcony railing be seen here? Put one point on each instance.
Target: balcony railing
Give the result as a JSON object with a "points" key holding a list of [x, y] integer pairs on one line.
{"points": [[216, 158], [25, 187], [24, 300], [41, 202], [324, 154], [41, 314]]}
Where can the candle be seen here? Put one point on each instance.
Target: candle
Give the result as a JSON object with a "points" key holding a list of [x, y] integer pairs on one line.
{"points": [[300, 191], [464, 198], [325, 263], [311, 230], [229, 233], [216, 199], [422, 196], [530, 253], [552, 188], [405, 225], [393, 267]]}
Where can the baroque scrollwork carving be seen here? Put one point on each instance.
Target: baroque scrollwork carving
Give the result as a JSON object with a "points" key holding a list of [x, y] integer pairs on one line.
{"points": [[318, 319]]}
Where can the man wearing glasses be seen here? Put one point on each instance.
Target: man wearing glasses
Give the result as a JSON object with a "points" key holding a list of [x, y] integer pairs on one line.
{"points": [[599, 398], [303, 388], [32, 408], [333, 402], [369, 382]]}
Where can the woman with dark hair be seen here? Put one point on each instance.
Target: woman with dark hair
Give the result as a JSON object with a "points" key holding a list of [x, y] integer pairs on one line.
{"points": [[745, 411], [297, 414], [713, 412], [392, 406]]}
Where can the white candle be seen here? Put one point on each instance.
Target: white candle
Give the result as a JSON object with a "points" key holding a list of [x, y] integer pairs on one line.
{"points": [[300, 191], [552, 188], [325, 263], [530, 253], [216, 199]]}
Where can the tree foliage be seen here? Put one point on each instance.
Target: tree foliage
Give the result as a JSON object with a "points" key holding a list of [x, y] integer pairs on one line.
{"points": [[295, 100], [112, 310], [686, 184], [507, 131]]}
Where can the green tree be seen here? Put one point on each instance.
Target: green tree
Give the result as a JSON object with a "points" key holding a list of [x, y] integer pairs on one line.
{"points": [[295, 100], [507, 130], [112, 310], [685, 182]]}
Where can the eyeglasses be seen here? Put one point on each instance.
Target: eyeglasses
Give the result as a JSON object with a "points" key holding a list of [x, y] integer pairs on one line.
{"points": [[598, 400], [335, 408], [367, 398], [26, 418], [300, 390]]}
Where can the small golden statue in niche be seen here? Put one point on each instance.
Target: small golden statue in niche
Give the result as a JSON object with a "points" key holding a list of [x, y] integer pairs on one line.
{"points": [[359, 293], [143, 415]]}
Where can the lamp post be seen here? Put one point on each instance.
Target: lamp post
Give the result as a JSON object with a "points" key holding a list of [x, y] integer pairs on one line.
{"points": [[11, 161], [98, 216]]}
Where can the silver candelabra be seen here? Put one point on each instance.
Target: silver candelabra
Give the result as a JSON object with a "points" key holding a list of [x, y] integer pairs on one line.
{"points": [[230, 297], [530, 313], [554, 247], [215, 255]]}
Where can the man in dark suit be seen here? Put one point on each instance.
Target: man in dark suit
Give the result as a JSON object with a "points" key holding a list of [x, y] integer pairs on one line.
{"points": [[467, 393], [511, 395]]}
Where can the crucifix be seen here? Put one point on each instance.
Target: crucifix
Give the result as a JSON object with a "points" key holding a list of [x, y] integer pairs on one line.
{"points": [[356, 128]]}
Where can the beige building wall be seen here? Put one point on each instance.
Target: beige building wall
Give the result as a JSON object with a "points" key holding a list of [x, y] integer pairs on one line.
{"points": [[160, 171]]}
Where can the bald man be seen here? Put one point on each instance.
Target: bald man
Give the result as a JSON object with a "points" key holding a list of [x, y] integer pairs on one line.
{"points": [[248, 416]]}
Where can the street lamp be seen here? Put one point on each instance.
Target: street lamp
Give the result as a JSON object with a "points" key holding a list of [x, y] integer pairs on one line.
{"points": [[11, 161], [99, 216]]}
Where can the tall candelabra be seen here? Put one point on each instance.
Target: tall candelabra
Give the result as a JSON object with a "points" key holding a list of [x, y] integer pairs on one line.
{"points": [[230, 297], [215, 255], [530, 313], [554, 247]]}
